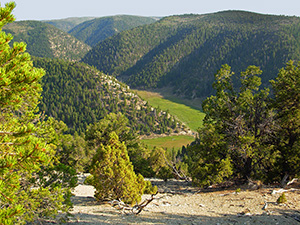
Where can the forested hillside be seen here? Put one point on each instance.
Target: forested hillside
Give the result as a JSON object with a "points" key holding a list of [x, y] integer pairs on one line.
{"points": [[93, 31], [185, 51], [68, 23], [45, 40], [80, 95]]}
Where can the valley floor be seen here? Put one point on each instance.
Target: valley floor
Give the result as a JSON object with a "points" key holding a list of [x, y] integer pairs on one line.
{"points": [[179, 203]]}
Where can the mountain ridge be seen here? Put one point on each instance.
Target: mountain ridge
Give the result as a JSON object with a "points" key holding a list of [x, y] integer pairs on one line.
{"points": [[67, 24], [80, 95], [184, 51], [95, 30], [45, 40]]}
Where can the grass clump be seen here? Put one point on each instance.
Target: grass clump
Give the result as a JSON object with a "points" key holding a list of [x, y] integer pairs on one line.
{"points": [[281, 199]]}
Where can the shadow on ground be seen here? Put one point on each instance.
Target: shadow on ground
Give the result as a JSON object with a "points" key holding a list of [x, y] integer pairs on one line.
{"points": [[114, 217]]}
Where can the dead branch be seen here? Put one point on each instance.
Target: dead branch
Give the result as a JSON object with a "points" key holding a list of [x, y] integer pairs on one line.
{"points": [[7, 133], [138, 208], [177, 172], [295, 180], [283, 190], [284, 180]]}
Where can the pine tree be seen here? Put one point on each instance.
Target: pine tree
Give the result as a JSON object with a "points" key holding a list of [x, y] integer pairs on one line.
{"points": [[23, 145], [113, 173], [237, 129], [287, 105]]}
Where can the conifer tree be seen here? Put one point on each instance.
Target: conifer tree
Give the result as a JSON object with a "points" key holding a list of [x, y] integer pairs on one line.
{"points": [[23, 147], [113, 173], [237, 129], [287, 105]]}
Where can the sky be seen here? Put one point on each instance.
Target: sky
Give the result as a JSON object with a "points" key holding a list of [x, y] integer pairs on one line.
{"points": [[60, 9]]}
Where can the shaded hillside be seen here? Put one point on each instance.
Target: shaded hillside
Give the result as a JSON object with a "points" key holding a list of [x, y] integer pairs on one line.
{"points": [[186, 51], [96, 30], [68, 23], [80, 95], [45, 40]]}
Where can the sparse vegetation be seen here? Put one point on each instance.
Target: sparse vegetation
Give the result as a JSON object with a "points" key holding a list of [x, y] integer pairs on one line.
{"points": [[45, 40], [281, 199]]}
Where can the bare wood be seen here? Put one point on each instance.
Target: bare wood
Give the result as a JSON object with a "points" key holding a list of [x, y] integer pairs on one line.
{"points": [[175, 171], [141, 206], [283, 190], [284, 180], [6, 132], [137, 209]]}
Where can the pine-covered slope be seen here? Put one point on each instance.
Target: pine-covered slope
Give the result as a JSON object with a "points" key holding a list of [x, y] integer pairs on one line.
{"points": [[68, 23], [79, 95], [45, 40], [96, 30], [186, 51]]}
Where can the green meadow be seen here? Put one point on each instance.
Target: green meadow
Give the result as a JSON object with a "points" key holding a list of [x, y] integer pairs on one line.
{"points": [[191, 117], [169, 142]]}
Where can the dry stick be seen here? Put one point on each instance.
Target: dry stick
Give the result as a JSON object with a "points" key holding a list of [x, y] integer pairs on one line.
{"points": [[138, 208], [181, 176], [145, 203]]}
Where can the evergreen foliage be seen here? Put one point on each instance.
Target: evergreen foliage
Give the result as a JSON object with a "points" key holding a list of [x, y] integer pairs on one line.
{"points": [[117, 157], [68, 23], [287, 105], [114, 177], [93, 31], [45, 40], [24, 136], [237, 132], [183, 51], [80, 95], [248, 134], [147, 162]]}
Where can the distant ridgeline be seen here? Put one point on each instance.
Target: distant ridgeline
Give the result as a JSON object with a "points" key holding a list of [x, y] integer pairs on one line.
{"points": [[45, 40], [185, 51], [79, 95], [93, 31], [68, 23]]}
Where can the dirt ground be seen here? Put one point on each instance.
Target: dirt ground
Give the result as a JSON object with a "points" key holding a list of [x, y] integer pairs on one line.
{"points": [[180, 203]]}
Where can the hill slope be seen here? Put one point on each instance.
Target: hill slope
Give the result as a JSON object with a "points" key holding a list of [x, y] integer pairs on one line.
{"points": [[186, 51], [45, 40], [96, 30], [67, 23], [80, 95]]}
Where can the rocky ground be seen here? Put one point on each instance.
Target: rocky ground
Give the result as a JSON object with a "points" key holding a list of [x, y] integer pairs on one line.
{"points": [[180, 203]]}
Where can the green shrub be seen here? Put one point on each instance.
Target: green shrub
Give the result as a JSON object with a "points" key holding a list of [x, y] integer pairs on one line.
{"points": [[113, 173], [281, 199], [89, 180], [149, 189]]}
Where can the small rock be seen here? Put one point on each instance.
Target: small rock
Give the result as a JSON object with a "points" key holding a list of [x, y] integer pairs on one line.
{"points": [[166, 204]]}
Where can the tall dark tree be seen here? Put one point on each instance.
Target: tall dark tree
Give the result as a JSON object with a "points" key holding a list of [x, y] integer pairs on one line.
{"points": [[24, 147], [237, 130], [287, 105]]}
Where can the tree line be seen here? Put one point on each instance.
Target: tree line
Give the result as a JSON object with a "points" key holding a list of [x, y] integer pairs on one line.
{"points": [[79, 95], [184, 51]]}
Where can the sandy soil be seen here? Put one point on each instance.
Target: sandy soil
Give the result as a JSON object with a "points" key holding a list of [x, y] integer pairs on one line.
{"points": [[179, 203]]}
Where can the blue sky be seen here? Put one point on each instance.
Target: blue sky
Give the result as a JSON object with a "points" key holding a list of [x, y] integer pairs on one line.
{"points": [[58, 9]]}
